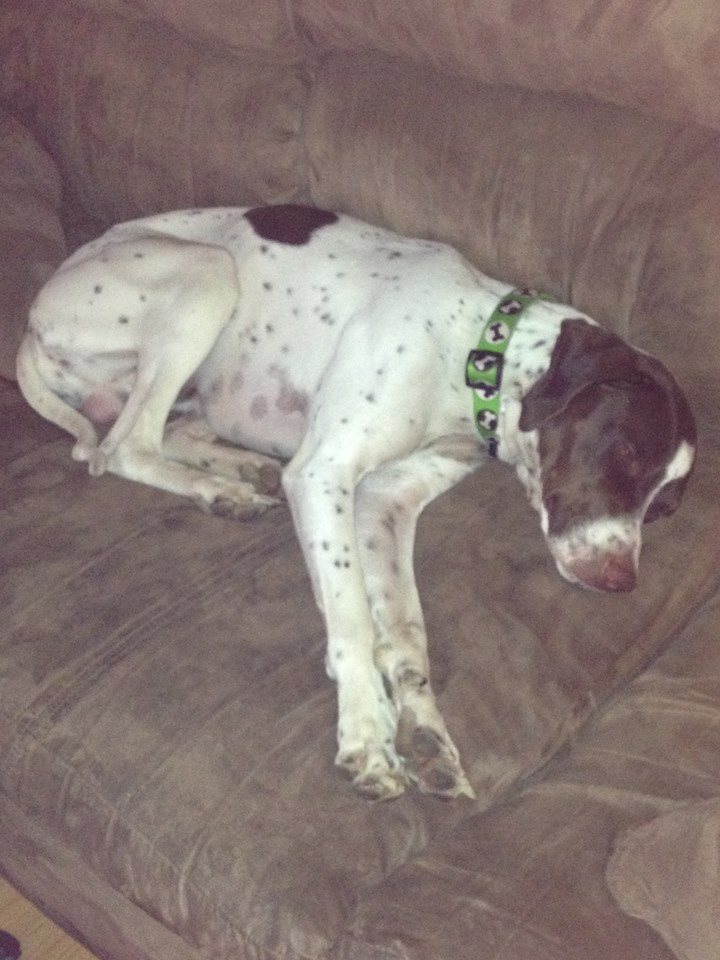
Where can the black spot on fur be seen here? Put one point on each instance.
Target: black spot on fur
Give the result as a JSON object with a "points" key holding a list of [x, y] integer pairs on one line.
{"points": [[289, 223]]}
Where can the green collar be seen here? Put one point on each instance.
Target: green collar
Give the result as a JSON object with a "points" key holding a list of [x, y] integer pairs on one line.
{"points": [[485, 363]]}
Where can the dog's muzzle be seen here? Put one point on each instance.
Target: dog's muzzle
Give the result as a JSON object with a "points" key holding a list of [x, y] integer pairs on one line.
{"points": [[602, 555]]}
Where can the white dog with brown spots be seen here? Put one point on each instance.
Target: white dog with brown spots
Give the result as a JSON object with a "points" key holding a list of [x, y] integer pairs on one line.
{"points": [[302, 335]]}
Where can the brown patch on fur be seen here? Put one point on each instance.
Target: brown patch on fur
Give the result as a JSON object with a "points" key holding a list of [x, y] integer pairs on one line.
{"points": [[289, 223], [609, 419]]}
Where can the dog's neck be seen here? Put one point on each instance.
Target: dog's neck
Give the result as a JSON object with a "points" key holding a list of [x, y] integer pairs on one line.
{"points": [[528, 358]]}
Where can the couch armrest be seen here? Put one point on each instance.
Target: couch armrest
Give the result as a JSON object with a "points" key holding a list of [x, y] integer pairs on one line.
{"points": [[31, 235]]}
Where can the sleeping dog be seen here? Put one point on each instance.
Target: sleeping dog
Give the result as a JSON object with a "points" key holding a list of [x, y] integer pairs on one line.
{"points": [[383, 370]]}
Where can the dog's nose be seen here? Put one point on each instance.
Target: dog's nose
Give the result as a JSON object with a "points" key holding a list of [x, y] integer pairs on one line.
{"points": [[617, 574], [611, 573]]}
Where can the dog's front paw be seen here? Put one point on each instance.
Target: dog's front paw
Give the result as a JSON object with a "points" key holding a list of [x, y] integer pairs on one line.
{"points": [[376, 771], [366, 751], [431, 758]]}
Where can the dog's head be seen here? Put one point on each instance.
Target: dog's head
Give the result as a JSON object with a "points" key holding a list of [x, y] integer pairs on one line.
{"points": [[616, 440]]}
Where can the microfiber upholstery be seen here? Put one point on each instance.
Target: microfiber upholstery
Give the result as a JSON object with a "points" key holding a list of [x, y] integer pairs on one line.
{"points": [[165, 711], [666, 872], [31, 235], [167, 790]]}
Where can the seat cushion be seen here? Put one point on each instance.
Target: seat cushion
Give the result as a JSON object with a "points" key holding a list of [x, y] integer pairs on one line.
{"points": [[666, 873], [528, 880], [165, 714]]}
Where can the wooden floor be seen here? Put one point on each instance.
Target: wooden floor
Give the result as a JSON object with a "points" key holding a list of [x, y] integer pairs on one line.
{"points": [[39, 938]]}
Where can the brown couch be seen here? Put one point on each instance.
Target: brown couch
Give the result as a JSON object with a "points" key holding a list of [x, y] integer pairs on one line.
{"points": [[166, 729]]}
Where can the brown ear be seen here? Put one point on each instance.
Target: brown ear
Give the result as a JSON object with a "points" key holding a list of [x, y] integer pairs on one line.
{"points": [[584, 355]]}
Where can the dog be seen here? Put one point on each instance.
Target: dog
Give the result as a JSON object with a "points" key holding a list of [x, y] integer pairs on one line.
{"points": [[383, 369]]}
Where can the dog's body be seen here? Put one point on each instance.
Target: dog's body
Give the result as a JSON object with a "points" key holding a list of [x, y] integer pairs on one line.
{"points": [[313, 337]]}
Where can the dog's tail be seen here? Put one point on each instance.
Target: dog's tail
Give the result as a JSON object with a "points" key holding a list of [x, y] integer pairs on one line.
{"points": [[42, 399]]}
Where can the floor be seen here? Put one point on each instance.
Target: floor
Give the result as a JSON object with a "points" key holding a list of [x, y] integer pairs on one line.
{"points": [[39, 938]]}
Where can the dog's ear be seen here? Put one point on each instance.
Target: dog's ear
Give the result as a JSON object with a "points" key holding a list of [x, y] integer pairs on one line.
{"points": [[584, 355]]}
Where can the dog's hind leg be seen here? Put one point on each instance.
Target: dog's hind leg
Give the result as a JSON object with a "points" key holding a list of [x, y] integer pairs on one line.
{"points": [[50, 406], [189, 440], [198, 295], [194, 291]]}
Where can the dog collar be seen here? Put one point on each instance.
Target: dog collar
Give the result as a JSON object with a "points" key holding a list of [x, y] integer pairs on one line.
{"points": [[485, 363]]}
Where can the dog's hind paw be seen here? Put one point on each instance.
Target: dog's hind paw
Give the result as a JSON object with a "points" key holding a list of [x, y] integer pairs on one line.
{"points": [[264, 476], [239, 501], [237, 509], [92, 455]]}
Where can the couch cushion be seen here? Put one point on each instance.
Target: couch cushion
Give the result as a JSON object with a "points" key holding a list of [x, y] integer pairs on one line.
{"points": [[59, 881], [244, 26], [666, 68], [31, 237], [142, 119], [667, 872], [527, 880], [164, 709], [612, 211]]}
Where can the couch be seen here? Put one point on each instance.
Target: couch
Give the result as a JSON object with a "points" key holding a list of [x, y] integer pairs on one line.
{"points": [[167, 789]]}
